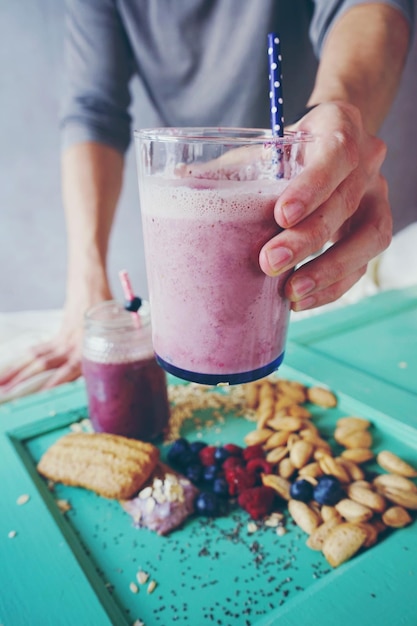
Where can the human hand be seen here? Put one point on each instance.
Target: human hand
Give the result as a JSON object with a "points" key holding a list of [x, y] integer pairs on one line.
{"points": [[45, 365], [61, 356], [340, 197]]}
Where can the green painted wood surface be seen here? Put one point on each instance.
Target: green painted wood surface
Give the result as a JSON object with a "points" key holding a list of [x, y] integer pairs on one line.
{"points": [[76, 568], [376, 336]]}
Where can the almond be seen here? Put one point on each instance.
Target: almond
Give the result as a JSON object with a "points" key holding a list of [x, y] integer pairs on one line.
{"points": [[292, 439], [301, 452], [264, 413], [279, 438], [266, 390], [283, 401], [292, 424], [343, 542], [322, 448], [304, 516], [313, 481], [319, 535], [277, 454], [407, 499], [308, 435], [371, 533], [354, 471], [394, 464], [299, 411], [281, 485], [354, 423], [353, 511], [329, 465], [329, 512], [262, 417], [258, 436], [367, 497], [396, 517], [252, 394], [312, 469], [395, 481], [307, 425], [294, 390], [363, 483], [355, 439], [321, 397], [286, 468], [358, 455]]}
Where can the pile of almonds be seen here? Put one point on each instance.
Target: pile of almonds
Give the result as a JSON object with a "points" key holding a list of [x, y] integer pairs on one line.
{"points": [[294, 446]]}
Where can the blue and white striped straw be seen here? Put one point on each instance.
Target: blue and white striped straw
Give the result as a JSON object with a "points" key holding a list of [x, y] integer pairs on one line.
{"points": [[275, 85]]}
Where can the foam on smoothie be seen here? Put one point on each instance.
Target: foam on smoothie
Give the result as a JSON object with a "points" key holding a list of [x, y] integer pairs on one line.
{"points": [[208, 199]]}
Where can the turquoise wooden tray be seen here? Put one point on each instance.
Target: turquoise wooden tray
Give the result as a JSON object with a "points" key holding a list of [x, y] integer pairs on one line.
{"points": [[376, 337], [76, 567]]}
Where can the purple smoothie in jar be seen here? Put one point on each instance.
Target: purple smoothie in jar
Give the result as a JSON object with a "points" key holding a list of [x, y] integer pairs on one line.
{"points": [[126, 388]]}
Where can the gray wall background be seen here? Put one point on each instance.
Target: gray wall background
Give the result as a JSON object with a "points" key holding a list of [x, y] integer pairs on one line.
{"points": [[32, 229]]}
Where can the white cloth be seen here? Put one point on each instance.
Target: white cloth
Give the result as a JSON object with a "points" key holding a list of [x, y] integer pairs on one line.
{"points": [[394, 269]]}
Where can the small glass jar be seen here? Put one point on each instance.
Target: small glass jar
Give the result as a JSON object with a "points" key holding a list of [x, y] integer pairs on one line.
{"points": [[126, 388]]}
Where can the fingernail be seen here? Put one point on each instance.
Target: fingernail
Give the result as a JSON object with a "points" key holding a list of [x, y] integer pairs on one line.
{"points": [[293, 211], [302, 286], [304, 304], [279, 258]]}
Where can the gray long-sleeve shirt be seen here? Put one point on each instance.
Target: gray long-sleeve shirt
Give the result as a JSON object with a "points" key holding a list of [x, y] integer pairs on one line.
{"points": [[201, 62]]}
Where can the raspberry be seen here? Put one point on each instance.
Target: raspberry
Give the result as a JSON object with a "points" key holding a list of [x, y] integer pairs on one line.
{"points": [[233, 450], [231, 462], [259, 466], [253, 452], [206, 455], [257, 501], [239, 479]]}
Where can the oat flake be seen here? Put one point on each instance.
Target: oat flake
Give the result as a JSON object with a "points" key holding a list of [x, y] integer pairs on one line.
{"points": [[142, 577], [63, 505], [133, 588], [23, 499], [151, 586]]}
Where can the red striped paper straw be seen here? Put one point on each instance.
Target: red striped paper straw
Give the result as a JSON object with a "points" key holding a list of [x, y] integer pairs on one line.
{"points": [[128, 293], [126, 285]]}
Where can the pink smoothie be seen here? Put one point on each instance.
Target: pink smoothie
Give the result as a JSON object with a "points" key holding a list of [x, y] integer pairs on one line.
{"points": [[214, 312]]}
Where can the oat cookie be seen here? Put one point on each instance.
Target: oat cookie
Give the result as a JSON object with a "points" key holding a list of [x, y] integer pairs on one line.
{"points": [[110, 465]]}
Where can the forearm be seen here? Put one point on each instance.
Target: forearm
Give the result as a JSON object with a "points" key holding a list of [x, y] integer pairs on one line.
{"points": [[362, 60], [92, 178]]}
